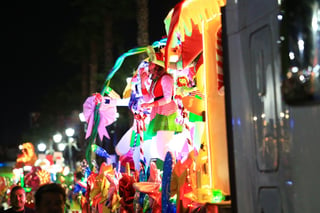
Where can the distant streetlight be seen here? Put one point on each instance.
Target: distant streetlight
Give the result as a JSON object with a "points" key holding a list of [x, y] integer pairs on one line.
{"points": [[81, 117], [69, 132], [61, 147], [41, 147], [57, 138]]}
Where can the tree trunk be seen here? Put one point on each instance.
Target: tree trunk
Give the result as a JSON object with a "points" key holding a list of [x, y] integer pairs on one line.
{"points": [[108, 42], [142, 21], [84, 78], [93, 72]]}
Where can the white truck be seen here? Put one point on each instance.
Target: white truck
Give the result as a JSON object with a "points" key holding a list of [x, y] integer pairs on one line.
{"points": [[271, 74]]}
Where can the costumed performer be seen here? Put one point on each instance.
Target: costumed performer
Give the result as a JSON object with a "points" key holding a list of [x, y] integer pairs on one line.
{"points": [[163, 108]]}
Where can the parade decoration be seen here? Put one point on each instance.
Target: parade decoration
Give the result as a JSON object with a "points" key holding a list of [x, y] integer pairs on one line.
{"points": [[31, 179], [184, 47], [152, 190], [107, 112], [99, 112], [183, 181], [149, 185], [99, 151], [93, 114], [167, 206], [113, 198], [100, 188], [126, 192], [3, 186], [183, 26], [28, 156]]}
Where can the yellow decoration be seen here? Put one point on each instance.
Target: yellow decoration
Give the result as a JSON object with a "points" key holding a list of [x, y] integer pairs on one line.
{"points": [[215, 110], [28, 156], [99, 190], [44, 176], [193, 104]]}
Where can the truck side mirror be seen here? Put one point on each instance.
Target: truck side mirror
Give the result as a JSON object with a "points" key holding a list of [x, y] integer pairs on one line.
{"points": [[300, 51]]}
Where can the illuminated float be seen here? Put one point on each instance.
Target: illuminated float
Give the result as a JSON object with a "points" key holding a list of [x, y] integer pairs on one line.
{"points": [[194, 171]]}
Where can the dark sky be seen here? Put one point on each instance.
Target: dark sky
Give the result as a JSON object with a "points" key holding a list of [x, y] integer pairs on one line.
{"points": [[32, 33]]}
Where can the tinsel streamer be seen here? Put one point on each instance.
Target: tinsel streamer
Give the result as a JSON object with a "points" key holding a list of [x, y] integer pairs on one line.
{"points": [[93, 135], [131, 52]]}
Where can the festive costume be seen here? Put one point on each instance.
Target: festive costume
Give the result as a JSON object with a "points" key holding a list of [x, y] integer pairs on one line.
{"points": [[163, 113]]}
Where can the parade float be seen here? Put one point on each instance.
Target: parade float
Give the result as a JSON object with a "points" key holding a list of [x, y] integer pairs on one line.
{"points": [[194, 173]]}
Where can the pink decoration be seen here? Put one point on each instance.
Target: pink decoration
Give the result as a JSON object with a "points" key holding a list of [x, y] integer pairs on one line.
{"points": [[107, 112]]}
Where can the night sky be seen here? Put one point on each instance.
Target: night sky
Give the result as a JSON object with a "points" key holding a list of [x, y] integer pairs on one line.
{"points": [[32, 33]]}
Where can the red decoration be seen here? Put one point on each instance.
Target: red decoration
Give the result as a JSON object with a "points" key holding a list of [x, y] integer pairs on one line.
{"points": [[126, 192], [182, 81]]}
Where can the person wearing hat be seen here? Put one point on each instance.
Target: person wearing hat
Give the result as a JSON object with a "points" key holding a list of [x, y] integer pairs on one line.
{"points": [[159, 97]]}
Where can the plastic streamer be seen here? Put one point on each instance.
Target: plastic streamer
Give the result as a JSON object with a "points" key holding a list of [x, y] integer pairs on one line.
{"points": [[104, 91], [131, 52], [99, 151]]}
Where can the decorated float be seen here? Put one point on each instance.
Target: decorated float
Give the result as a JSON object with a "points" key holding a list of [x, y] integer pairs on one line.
{"points": [[192, 173], [173, 169]]}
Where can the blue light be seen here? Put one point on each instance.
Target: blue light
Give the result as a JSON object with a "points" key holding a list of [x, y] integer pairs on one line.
{"points": [[239, 122], [289, 182]]}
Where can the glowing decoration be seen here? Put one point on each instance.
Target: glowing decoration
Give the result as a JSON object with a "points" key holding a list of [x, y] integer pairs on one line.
{"points": [[183, 181], [217, 196], [44, 176], [220, 82], [185, 20], [28, 156], [194, 104], [43, 163], [182, 81], [206, 195], [31, 179], [3, 184], [93, 110]]}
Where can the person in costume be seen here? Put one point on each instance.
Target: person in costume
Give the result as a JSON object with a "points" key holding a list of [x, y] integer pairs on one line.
{"points": [[163, 108]]}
